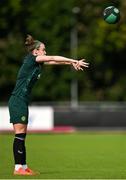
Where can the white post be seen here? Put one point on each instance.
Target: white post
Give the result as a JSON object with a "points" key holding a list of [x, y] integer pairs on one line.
{"points": [[74, 47]]}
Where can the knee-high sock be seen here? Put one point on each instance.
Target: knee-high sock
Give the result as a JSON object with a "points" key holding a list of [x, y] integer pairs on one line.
{"points": [[19, 149]]}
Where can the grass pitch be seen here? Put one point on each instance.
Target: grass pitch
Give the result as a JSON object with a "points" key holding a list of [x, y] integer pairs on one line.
{"points": [[69, 156]]}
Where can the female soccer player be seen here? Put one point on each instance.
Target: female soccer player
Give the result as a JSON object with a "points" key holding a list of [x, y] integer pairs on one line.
{"points": [[19, 100]]}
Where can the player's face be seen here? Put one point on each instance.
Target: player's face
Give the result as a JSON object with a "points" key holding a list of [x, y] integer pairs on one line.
{"points": [[41, 50]]}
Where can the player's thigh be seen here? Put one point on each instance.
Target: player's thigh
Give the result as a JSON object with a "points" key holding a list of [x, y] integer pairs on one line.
{"points": [[18, 110]]}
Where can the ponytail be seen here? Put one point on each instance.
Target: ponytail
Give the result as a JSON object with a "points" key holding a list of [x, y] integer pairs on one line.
{"points": [[31, 44]]}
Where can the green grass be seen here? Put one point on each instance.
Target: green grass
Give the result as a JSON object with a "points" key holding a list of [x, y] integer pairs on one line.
{"points": [[69, 156]]}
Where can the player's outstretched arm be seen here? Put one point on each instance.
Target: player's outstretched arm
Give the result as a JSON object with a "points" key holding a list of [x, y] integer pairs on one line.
{"points": [[54, 59], [78, 65]]}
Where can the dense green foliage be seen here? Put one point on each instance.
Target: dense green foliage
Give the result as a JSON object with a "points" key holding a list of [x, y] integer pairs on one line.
{"points": [[51, 21], [69, 156]]}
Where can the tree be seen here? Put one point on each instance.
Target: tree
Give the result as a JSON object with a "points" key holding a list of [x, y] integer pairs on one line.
{"points": [[103, 45]]}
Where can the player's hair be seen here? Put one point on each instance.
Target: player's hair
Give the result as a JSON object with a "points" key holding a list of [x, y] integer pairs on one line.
{"points": [[31, 44]]}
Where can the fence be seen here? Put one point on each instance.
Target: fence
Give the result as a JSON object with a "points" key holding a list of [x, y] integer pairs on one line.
{"points": [[87, 115], [94, 114]]}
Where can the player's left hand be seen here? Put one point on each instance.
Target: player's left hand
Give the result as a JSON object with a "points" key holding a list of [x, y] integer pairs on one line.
{"points": [[80, 65]]}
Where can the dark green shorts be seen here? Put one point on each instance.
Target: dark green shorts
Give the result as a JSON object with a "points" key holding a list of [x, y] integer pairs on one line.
{"points": [[18, 110]]}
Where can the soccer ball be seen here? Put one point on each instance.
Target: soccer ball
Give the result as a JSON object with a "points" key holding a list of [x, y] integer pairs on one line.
{"points": [[111, 15]]}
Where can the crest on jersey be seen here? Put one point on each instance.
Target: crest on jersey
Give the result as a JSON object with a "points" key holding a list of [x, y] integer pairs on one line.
{"points": [[39, 75]]}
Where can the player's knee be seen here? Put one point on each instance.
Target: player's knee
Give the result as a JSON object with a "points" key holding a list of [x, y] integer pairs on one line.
{"points": [[20, 128]]}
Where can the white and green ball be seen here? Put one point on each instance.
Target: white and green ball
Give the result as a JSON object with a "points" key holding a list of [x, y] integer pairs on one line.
{"points": [[111, 15]]}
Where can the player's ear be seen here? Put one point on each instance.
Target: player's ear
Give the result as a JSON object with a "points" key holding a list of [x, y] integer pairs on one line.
{"points": [[35, 51]]}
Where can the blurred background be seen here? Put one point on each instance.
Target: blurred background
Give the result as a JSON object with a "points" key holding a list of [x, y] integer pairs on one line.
{"points": [[94, 97]]}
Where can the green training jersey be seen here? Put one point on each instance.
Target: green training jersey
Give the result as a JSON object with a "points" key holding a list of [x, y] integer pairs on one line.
{"points": [[28, 74]]}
